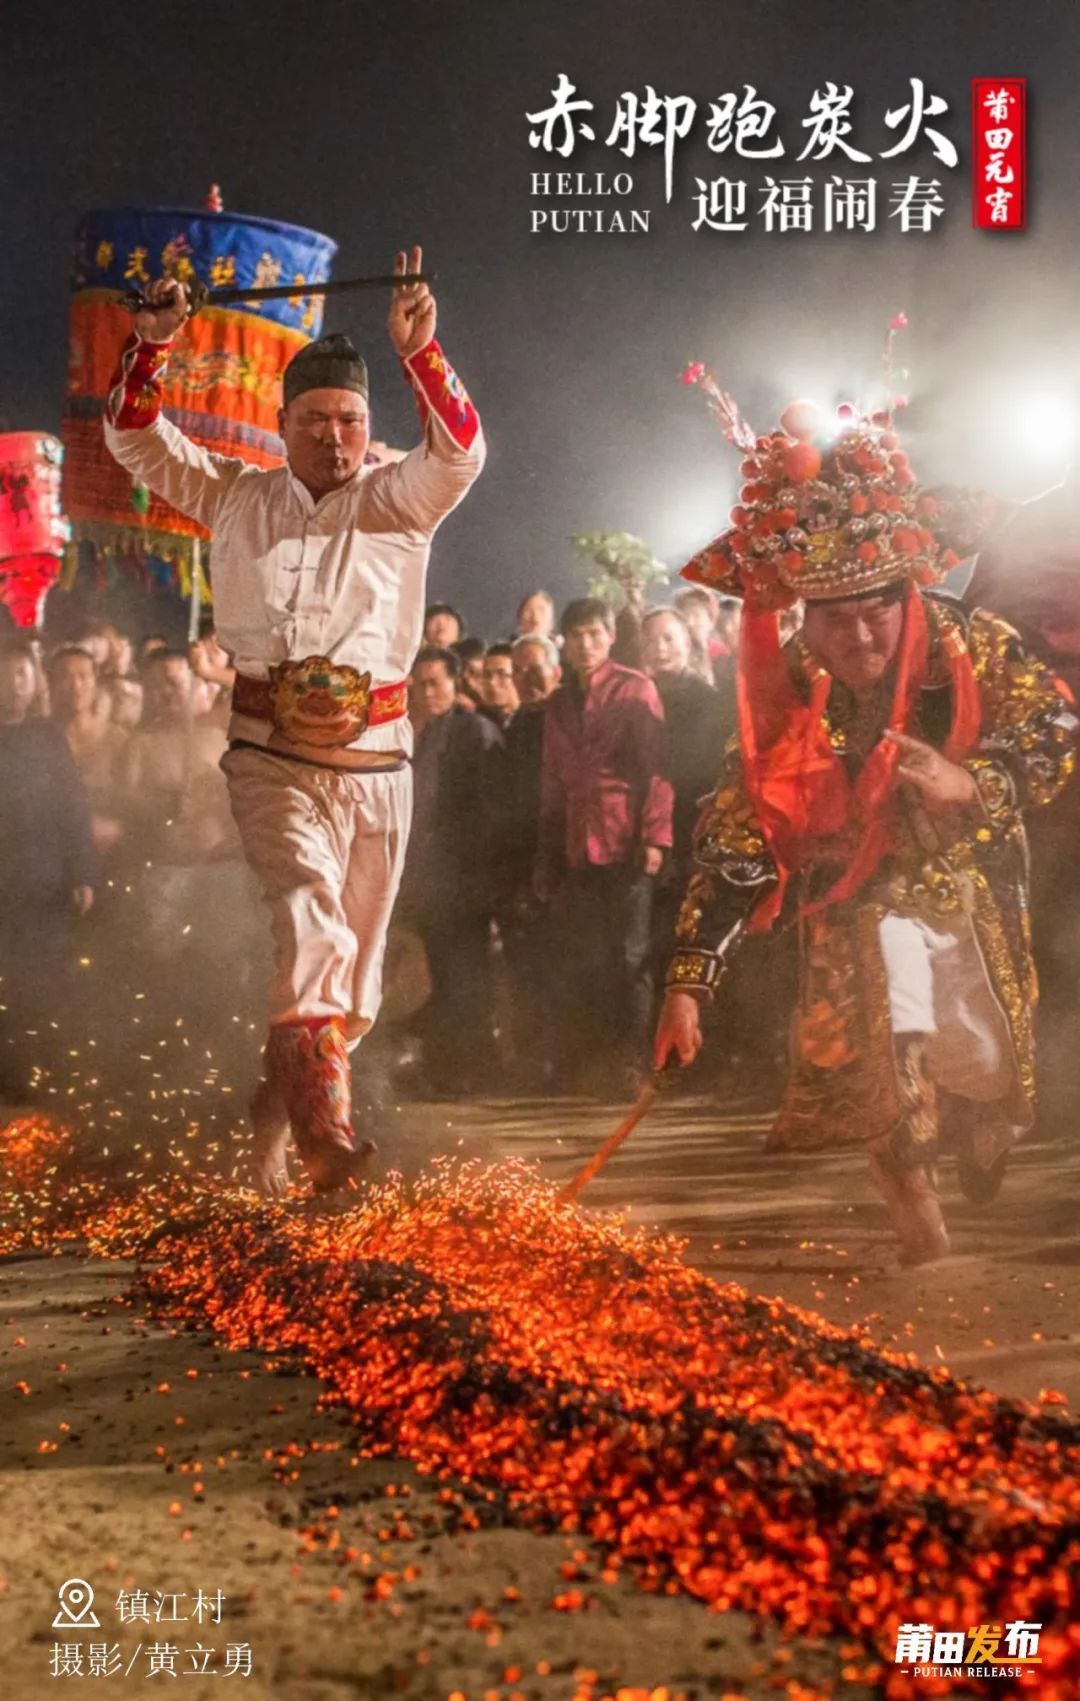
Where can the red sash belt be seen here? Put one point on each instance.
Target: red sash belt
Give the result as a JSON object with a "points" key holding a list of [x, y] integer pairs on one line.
{"points": [[315, 702], [252, 697]]}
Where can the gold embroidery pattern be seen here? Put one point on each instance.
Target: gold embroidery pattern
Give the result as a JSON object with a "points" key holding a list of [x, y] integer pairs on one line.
{"points": [[997, 794], [826, 1013], [694, 968], [728, 827], [317, 702], [855, 724], [1011, 968], [701, 893], [1022, 711], [930, 889], [857, 1103], [918, 1095]]}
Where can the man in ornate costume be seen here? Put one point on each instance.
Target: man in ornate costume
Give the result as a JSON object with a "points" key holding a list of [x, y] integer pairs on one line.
{"points": [[319, 570], [873, 799]]}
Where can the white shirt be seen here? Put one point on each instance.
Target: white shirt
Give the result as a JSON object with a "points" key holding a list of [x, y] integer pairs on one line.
{"points": [[343, 577]]}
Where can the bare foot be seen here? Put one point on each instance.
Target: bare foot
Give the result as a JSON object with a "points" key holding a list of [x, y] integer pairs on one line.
{"points": [[269, 1171], [923, 1235]]}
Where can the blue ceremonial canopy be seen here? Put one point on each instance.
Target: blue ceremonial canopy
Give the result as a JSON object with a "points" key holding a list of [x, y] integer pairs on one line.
{"points": [[126, 246]]}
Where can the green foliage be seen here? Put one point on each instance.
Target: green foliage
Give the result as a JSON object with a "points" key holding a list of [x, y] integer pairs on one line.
{"points": [[627, 565]]}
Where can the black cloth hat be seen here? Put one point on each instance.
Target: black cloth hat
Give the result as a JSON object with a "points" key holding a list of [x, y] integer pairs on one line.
{"points": [[330, 363]]}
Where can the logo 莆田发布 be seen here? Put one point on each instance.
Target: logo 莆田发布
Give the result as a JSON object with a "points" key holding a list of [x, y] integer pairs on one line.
{"points": [[983, 1650]]}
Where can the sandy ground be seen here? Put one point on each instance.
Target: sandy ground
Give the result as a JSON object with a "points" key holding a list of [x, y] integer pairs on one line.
{"points": [[145, 1460], [1004, 1310]]}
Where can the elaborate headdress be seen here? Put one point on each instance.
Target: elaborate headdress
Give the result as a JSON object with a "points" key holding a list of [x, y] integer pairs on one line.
{"points": [[827, 516], [826, 513]]}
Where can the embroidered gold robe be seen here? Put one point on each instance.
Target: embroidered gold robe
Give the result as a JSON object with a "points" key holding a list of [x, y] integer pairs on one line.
{"points": [[843, 1087]]}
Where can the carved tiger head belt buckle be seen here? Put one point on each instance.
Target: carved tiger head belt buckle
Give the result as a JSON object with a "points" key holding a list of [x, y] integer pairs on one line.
{"points": [[317, 702]]}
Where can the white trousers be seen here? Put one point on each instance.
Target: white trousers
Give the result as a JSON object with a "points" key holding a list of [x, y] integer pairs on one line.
{"points": [[939, 986], [328, 849]]}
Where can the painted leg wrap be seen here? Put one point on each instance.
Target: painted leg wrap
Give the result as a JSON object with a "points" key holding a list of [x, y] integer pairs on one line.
{"points": [[307, 1068], [915, 1142], [904, 1165]]}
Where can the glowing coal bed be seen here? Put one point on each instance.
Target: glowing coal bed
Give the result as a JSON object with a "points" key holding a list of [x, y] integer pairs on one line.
{"points": [[576, 1375]]}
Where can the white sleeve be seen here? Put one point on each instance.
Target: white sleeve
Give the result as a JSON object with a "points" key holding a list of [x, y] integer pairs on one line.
{"points": [[419, 491], [176, 469]]}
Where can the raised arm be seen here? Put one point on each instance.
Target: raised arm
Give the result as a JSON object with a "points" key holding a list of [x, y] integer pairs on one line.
{"points": [[422, 489], [137, 435]]}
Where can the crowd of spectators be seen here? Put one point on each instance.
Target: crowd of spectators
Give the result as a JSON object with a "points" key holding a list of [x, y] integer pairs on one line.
{"points": [[117, 845], [558, 772]]}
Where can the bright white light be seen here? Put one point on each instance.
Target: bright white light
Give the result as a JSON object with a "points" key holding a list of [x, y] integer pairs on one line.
{"points": [[1045, 422]]}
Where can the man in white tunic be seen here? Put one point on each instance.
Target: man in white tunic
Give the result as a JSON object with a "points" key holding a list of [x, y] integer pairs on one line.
{"points": [[319, 571]]}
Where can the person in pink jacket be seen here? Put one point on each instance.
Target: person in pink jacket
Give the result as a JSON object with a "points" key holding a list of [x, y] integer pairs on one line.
{"points": [[605, 826]]}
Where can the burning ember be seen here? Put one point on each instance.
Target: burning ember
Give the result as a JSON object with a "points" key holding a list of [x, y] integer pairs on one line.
{"points": [[31, 1150], [580, 1376]]}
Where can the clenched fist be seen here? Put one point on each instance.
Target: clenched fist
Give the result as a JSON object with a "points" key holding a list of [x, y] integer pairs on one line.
{"points": [[169, 307]]}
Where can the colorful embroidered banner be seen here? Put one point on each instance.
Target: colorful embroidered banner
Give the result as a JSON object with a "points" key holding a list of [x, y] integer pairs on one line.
{"points": [[128, 246], [223, 384]]}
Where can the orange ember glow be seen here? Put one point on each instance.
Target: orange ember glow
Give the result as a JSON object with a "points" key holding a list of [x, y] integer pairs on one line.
{"points": [[582, 1377]]}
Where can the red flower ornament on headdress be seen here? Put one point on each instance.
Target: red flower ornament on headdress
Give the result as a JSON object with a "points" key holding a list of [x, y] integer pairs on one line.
{"points": [[828, 510]]}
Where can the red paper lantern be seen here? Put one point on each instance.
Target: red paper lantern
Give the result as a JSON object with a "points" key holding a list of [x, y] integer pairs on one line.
{"points": [[33, 530]]}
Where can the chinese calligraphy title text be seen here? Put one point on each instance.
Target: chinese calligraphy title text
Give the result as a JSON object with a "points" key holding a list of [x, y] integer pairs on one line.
{"points": [[743, 125]]}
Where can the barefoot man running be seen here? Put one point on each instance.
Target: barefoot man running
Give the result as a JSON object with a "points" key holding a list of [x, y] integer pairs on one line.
{"points": [[319, 571]]}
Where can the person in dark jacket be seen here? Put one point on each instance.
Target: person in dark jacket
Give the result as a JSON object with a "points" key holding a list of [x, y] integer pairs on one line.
{"points": [[47, 857], [470, 677], [501, 700], [537, 672], [523, 923], [447, 892], [698, 728]]}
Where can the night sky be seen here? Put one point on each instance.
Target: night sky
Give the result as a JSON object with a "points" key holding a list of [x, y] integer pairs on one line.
{"points": [[382, 125]]}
